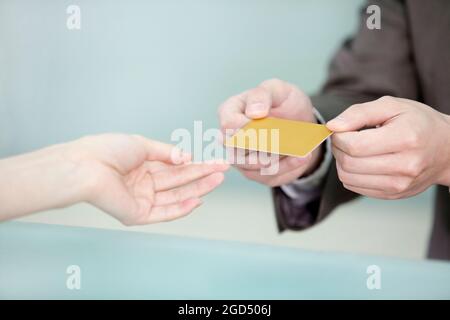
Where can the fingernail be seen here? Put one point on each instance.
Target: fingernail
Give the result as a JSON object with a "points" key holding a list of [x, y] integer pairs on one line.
{"points": [[218, 177], [256, 108], [177, 156], [186, 157], [336, 122], [220, 164]]}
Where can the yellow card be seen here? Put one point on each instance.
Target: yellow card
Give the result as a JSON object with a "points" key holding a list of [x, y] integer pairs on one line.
{"points": [[279, 136]]}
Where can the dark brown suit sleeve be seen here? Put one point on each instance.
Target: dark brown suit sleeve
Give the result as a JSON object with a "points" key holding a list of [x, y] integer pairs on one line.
{"points": [[374, 63]]}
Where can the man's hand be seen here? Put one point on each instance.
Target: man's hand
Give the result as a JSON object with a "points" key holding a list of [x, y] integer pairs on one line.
{"points": [[406, 149], [273, 98]]}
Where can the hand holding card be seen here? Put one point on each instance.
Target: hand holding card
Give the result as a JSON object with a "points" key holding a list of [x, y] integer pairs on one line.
{"points": [[405, 150], [272, 99]]}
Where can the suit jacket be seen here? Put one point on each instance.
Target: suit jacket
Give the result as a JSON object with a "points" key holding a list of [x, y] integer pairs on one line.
{"points": [[408, 57]]}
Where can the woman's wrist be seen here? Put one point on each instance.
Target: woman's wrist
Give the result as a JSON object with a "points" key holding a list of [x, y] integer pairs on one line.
{"points": [[78, 173], [41, 180]]}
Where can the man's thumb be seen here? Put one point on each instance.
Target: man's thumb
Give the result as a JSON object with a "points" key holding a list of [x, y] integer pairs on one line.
{"points": [[257, 110], [359, 116]]}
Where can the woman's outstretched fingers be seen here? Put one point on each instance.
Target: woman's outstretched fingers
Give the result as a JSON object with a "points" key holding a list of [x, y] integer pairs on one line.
{"points": [[194, 189], [172, 211], [177, 176]]}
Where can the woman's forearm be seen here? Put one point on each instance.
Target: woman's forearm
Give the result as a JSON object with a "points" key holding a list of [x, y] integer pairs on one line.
{"points": [[39, 180]]}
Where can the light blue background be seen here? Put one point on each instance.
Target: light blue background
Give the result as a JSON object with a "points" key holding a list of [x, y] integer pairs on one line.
{"points": [[150, 67]]}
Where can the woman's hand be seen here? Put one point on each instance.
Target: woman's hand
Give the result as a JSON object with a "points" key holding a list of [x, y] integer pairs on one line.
{"points": [[136, 180]]}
